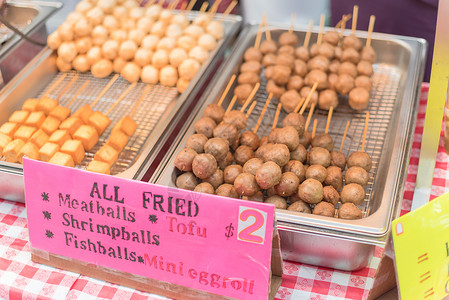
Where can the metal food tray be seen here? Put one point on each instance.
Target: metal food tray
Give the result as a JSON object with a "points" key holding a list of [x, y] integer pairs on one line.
{"points": [[159, 111], [332, 242]]}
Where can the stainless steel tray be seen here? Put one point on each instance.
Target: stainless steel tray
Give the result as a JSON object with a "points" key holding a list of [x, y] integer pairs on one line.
{"points": [[159, 111], [331, 242]]}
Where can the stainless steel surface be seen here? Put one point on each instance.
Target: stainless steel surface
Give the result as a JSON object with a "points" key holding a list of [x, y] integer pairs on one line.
{"points": [[158, 113], [397, 78]]}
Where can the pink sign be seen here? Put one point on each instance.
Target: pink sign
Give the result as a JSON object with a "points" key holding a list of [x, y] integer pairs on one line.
{"points": [[205, 242]]}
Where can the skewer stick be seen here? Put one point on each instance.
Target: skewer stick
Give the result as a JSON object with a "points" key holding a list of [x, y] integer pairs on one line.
{"points": [[231, 81], [54, 85], [308, 34], [343, 24], [344, 135], [250, 110], [258, 36], [149, 3], [204, 7], [292, 23], [372, 19], [276, 116], [355, 13], [231, 104], [329, 117], [267, 28], [67, 87], [183, 6], [191, 4], [365, 130], [105, 89], [230, 8], [309, 116], [250, 97], [263, 112], [213, 9], [314, 128], [120, 98], [309, 96], [320, 33], [173, 5], [298, 106], [144, 93], [78, 93]]}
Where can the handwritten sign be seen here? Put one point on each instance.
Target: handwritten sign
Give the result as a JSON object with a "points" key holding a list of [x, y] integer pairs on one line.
{"points": [[421, 246], [200, 241]]}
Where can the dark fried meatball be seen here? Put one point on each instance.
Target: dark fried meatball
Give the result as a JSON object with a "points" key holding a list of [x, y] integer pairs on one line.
{"points": [[285, 60], [279, 202], [218, 147], [257, 197], [288, 38], [314, 50], [268, 175], [281, 74], [215, 179], [327, 99], [268, 72], [269, 60], [252, 165], [351, 55], [332, 79], [227, 190], [205, 126], [275, 89], [302, 53], [295, 120], [352, 41], [295, 82], [288, 136], [360, 159], [271, 192], [338, 159], [288, 185], [323, 140], [251, 66], [252, 54], [311, 191], [368, 54], [287, 49], [245, 184], [317, 172], [305, 139], [204, 165], [300, 153], [324, 209], [358, 98], [357, 175], [263, 141], [318, 62], [344, 84], [196, 142], [352, 193], [331, 37], [215, 112], [331, 195], [296, 167], [205, 187], [184, 159], [305, 92], [250, 139], [338, 51], [300, 206], [236, 118], [187, 181], [231, 172], [290, 100], [334, 177], [319, 76], [300, 68], [326, 50], [268, 46], [347, 68], [319, 156], [248, 77], [242, 92], [365, 68], [260, 152], [277, 153], [227, 161], [363, 82], [334, 65], [349, 211], [242, 154], [226, 131]]}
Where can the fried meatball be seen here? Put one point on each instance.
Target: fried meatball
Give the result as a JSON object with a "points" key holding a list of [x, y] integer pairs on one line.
{"points": [[287, 49], [295, 120], [227, 161], [357, 175], [332, 79], [350, 55], [205, 126], [327, 99], [368, 54], [187, 181], [288, 38], [349, 211], [281, 74], [323, 140], [260, 152], [324, 209], [344, 84], [317, 172], [268, 46], [236, 118], [204, 165], [196, 142], [218, 147], [296, 167], [331, 195], [300, 68], [365, 68], [184, 159], [318, 62], [227, 190], [275, 89], [285, 59], [358, 98], [231, 172], [278, 202], [338, 51], [248, 77], [269, 60], [252, 54], [268, 175], [295, 82], [252, 165], [334, 177], [215, 112], [331, 37], [205, 187], [288, 185], [352, 193], [360, 159], [300, 153], [311, 191], [300, 206], [302, 53], [305, 139], [242, 92], [352, 41], [268, 73], [314, 50], [326, 50], [250, 139], [334, 65], [319, 156], [242, 154], [290, 100], [316, 76], [245, 184], [338, 159], [305, 92], [288, 136], [216, 179], [277, 153], [272, 136], [263, 141], [251, 66], [363, 82], [257, 197], [226, 131], [347, 68]]}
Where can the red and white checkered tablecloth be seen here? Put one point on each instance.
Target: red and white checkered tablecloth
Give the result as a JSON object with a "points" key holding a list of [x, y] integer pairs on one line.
{"points": [[20, 278]]}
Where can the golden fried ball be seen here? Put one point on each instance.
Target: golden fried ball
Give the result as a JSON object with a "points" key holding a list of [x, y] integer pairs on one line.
{"points": [[202, 20], [177, 56], [94, 54], [99, 35], [82, 28], [111, 23], [207, 42], [120, 12], [106, 5], [166, 16], [150, 42], [194, 31], [62, 65], [166, 43], [95, 16], [181, 20], [188, 68], [174, 31], [102, 68], [65, 32], [143, 57], [127, 24], [153, 11], [53, 40], [128, 50], [83, 6], [110, 49], [131, 72], [67, 51], [118, 64], [199, 54], [136, 35], [158, 29], [215, 29], [80, 63], [145, 24], [182, 85], [168, 76], [186, 42], [150, 74], [119, 35], [83, 44], [136, 13], [160, 58]]}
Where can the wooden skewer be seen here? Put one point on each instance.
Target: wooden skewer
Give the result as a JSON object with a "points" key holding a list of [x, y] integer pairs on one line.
{"points": [[314, 128], [263, 112], [329, 117], [343, 24], [173, 4], [191, 4], [308, 34], [320, 33], [372, 19], [149, 3], [231, 81], [276, 116], [105, 89], [267, 28], [204, 7], [144, 93], [250, 110], [292, 23], [123, 95], [298, 106], [309, 96], [344, 135], [309, 116], [78, 93], [365, 130], [258, 36], [213, 9], [183, 6], [230, 8], [160, 3], [67, 87], [54, 85], [250, 97], [231, 104], [355, 12]]}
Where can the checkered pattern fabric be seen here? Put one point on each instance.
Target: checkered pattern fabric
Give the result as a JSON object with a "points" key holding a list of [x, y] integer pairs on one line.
{"points": [[20, 278]]}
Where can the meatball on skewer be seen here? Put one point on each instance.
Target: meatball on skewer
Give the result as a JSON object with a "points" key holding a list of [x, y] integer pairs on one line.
{"points": [[361, 158]]}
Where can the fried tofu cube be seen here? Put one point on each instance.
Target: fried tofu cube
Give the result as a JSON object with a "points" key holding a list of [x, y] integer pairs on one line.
{"points": [[35, 119], [87, 135], [30, 150], [12, 149], [60, 112], [62, 159], [19, 116], [4, 140], [9, 128], [127, 125], [71, 124], [117, 140], [30, 104], [99, 121], [59, 137], [46, 104], [83, 113], [106, 154], [99, 167], [50, 125], [39, 138], [48, 150], [24, 132], [75, 149]]}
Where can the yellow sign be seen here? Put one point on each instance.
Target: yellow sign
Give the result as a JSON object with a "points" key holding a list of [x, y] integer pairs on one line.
{"points": [[421, 247]]}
